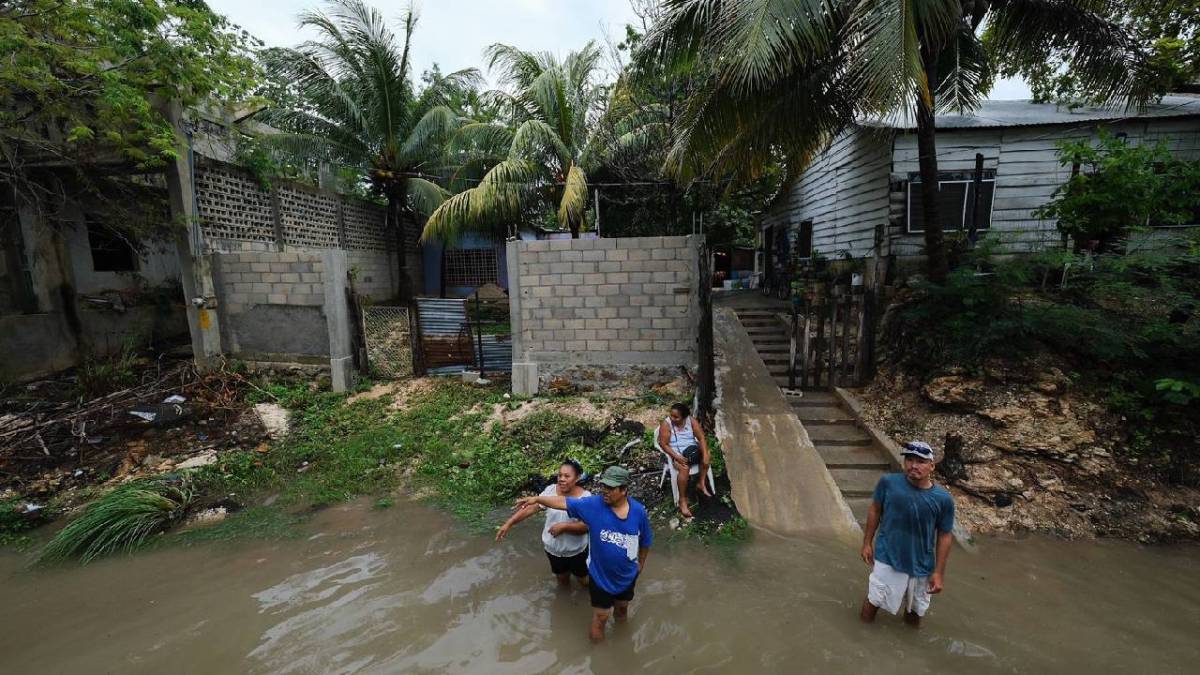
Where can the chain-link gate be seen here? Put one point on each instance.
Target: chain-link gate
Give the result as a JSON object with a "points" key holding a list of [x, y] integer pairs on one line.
{"points": [[388, 336]]}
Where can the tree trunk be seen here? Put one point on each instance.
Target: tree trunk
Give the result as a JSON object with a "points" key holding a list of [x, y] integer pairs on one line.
{"points": [[404, 288], [935, 244]]}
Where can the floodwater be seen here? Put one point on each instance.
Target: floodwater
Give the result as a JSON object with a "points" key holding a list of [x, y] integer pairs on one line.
{"points": [[406, 590]]}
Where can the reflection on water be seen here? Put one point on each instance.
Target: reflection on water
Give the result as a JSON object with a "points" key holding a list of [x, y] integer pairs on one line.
{"points": [[404, 590]]}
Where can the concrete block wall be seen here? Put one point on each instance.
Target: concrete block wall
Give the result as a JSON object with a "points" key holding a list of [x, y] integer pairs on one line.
{"points": [[375, 273], [271, 277], [602, 302]]}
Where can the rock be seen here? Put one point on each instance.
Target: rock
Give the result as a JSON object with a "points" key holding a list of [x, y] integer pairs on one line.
{"points": [[204, 459], [275, 419], [207, 517], [1004, 416], [955, 391], [1052, 381], [561, 386], [1016, 484]]}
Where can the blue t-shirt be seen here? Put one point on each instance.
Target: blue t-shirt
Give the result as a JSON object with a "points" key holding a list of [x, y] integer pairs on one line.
{"points": [[912, 517], [613, 543]]}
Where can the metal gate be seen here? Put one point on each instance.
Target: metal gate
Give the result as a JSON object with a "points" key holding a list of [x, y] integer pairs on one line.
{"points": [[387, 333], [461, 333]]}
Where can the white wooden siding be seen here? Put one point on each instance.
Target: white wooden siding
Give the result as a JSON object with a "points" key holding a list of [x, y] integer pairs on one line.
{"points": [[1028, 171], [844, 193]]}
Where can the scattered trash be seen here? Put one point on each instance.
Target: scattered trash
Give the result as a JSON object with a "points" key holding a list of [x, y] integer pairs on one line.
{"points": [[158, 413], [397, 446], [78, 473], [198, 461], [174, 398], [202, 437], [674, 523], [275, 419], [482, 381], [29, 507], [635, 442], [304, 467], [507, 395], [470, 376]]}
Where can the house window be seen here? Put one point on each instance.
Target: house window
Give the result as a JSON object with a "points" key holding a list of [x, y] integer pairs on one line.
{"points": [[471, 267], [956, 194], [110, 251]]}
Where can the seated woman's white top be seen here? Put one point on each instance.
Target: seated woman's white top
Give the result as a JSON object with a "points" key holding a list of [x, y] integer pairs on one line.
{"points": [[682, 439]]}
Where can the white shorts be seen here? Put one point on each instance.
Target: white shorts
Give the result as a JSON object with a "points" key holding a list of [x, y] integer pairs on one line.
{"points": [[891, 589]]}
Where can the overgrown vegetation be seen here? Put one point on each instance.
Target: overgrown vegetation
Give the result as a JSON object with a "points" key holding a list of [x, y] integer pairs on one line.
{"points": [[122, 520], [1126, 324]]}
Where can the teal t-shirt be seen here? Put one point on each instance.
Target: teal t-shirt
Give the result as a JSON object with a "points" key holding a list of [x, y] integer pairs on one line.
{"points": [[912, 517]]}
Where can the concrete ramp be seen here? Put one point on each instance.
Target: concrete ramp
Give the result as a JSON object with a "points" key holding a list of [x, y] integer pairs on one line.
{"points": [[779, 481]]}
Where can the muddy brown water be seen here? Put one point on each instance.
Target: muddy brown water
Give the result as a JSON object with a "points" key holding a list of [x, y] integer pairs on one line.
{"points": [[406, 590]]}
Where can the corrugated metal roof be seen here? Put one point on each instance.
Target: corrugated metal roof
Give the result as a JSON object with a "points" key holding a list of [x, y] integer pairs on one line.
{"points": [[1027, 113]]}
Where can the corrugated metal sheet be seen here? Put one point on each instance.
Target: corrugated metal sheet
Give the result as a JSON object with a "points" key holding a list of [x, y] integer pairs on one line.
{"points": [[443, 318]]}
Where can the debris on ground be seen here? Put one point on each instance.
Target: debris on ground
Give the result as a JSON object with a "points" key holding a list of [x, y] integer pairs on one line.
{"points": [[275, 419]]}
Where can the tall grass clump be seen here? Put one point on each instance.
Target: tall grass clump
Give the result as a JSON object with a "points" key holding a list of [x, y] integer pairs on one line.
{"points": [[121, 520]]}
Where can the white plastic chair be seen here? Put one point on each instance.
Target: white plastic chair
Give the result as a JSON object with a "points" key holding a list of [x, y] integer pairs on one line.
{"points": [[670, 470]]}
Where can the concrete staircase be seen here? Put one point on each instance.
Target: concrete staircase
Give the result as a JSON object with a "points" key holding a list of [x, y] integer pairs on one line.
{"points": [[850, 454]]}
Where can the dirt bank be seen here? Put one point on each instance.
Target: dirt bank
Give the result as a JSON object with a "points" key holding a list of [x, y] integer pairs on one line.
{"points": [[1037, 454]]}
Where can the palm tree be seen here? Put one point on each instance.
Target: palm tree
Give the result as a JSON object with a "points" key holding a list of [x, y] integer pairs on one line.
{"points": [[352, 103], [793, 73], [539, 158]]}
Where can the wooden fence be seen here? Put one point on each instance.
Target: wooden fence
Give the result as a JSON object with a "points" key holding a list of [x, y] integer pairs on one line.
{"points": [[832, 338]]}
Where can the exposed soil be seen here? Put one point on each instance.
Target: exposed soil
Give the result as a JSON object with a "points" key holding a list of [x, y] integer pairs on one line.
{"points": [[1037, 455]]}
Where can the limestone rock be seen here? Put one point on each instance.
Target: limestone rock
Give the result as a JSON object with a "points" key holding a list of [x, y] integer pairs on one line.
{"points": [[955, 391]]}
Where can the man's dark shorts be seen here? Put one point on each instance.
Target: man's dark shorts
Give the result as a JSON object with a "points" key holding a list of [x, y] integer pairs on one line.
{"points": [[576, 564], [692, 454], [602, 599]]}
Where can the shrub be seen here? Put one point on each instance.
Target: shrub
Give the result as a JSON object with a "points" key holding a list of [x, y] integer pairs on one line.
{"points": [[121, 520]]}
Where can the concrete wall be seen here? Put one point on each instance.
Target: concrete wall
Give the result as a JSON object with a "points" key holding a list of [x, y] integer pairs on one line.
{"points": [[582, 304], [65, 326], [271, 304]]}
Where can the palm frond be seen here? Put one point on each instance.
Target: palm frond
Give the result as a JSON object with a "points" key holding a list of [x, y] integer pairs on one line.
{"points": [[1023, 35], [501, 197], [573, 206], [887, 68], [424, 196], [966, 73], [429, 136]]}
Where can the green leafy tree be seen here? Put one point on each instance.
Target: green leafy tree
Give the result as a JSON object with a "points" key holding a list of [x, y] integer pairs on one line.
{"points": [[82, 87], [351, 102], [538, 158], [789, 75], [1168, 29], [1120, 187]]}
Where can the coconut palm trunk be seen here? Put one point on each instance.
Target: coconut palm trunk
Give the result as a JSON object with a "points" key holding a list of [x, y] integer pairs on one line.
{"points": [[935, 241]]}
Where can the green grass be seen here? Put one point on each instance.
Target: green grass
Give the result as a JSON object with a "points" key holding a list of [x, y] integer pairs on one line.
{"points": [[120, 521]]}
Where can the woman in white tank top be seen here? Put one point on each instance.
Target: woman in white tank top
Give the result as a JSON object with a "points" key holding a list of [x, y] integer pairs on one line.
{"points": [[683, 439]]}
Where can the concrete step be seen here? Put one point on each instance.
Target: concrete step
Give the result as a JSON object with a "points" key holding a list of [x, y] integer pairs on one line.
{"points": [[821, 413], [856, 482], [819, 397], [853, 457], [859, 507], [840, 433]]}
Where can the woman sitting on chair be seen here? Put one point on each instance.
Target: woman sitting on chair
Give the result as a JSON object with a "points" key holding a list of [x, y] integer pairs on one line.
{"points": [[682, 438]]}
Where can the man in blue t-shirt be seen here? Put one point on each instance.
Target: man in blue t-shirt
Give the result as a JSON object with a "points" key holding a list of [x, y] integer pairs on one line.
{"points": [[620, 538], [908, 557]]}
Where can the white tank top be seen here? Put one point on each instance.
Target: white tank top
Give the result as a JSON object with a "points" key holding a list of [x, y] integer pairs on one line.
{"points": [[682, 439]]}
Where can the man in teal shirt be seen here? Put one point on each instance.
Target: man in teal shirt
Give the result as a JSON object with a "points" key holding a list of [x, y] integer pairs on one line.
{"points": [[908, 557]]}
